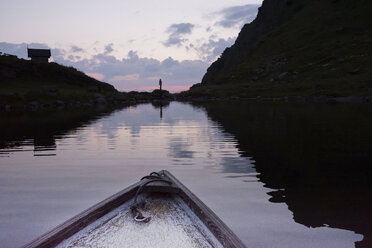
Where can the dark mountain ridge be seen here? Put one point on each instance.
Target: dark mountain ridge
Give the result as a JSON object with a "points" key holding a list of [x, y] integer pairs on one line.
{"points": [[268, 17], [292, 48]]}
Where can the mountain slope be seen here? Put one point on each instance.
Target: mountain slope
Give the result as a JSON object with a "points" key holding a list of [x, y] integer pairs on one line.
{"points": [[303, 47], [28, 84]]}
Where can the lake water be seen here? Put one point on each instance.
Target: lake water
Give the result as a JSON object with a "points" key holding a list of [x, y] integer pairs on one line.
{"points": [[279, 174]]}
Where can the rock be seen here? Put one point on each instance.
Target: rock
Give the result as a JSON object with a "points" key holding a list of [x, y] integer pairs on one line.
{"points": [[234, 98], [53, 90], [4, 73], [7, 107], [33, 106], [196, 86], [354, 72], [161, 95], [282, 75], [351, 99], [319, 99], [100, 101], [59, 103], [77, 104], [368, 99], [259, 71], [296, 99], [93, 89], [98, 95], [343, 29]]}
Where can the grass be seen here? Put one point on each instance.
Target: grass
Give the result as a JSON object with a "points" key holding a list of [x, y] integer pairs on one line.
{"points": [[24, 81], [324, 48]]}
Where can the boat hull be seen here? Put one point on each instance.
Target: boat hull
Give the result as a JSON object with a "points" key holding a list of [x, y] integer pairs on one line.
{"points": [[174, 192]]}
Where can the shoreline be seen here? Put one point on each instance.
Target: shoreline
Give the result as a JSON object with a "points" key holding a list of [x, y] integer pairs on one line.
{"points": [[35, 106], [298, 99]]}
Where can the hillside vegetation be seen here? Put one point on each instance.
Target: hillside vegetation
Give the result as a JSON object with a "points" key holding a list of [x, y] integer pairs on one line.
{"points": [[297, 48], [26, 84]]}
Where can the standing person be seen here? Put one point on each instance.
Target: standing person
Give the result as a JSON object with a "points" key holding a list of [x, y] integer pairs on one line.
{"points": [[160, 83]]}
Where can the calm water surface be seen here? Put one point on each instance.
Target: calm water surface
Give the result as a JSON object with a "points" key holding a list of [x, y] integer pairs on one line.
{"points": [[280, 175]]}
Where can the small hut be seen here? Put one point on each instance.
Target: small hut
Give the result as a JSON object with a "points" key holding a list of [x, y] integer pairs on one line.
{"points": [[41, 55]]}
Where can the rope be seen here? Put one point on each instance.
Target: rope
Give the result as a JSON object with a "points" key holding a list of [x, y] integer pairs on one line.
{"points": [[153, 177]]}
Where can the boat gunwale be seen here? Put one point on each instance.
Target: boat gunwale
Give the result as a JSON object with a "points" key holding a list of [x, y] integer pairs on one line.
{"points": [[70, 227], [83, 219], [218, 228]]}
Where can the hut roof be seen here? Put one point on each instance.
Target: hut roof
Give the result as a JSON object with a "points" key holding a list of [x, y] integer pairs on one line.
{"points": [[38, 52]]}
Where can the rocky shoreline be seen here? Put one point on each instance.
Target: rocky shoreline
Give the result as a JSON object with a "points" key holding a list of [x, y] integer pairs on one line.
{"points": [[298, 99], [163, 97], [98, 100]]}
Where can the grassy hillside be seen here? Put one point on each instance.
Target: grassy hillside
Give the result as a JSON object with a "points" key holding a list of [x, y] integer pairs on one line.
{"points": [[297, 48], [27, 84]]}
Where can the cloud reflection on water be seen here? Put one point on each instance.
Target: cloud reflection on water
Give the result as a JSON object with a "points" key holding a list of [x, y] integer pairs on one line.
{"points": [[98, 157]]}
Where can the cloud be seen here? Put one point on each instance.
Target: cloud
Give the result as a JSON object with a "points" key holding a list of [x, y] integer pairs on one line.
{"points": [[97, 76], [135, 73], [152, 78], [20, 50], [169, 62], [77, 49], [129, 77], [108, 48], [236, 16], [130, 73], [180, 148], [181, 28], [133, 56], [210, 50], [177, 33]]}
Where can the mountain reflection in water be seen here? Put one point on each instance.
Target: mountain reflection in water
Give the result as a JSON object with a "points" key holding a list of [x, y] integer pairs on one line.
{"points": [[40, 130], [318, 157], [250, 162]]}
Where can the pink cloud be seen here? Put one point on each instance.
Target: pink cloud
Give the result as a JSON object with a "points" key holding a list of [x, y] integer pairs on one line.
{"points": [[97, 76], [147, 88], [129, 77], [152, 78], [177, 88]]}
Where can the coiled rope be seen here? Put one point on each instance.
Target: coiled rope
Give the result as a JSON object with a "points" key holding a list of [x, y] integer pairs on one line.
{"points": [[152, 177]]}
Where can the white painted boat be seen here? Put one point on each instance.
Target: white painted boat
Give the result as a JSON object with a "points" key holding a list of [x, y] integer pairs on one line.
{"points": [[158, 211]]}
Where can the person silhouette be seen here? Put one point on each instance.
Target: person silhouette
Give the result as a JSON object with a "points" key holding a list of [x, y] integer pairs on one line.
{"points": [[160, 83]]}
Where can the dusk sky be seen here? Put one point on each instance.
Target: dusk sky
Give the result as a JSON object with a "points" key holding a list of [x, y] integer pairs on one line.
{"points": [[130, 44]]}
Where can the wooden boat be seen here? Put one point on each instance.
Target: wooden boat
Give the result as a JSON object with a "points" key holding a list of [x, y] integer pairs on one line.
{"points": [[158, 211]]}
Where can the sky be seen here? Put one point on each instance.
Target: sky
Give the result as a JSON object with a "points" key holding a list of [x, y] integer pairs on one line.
{"points": [[129, 44]]}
